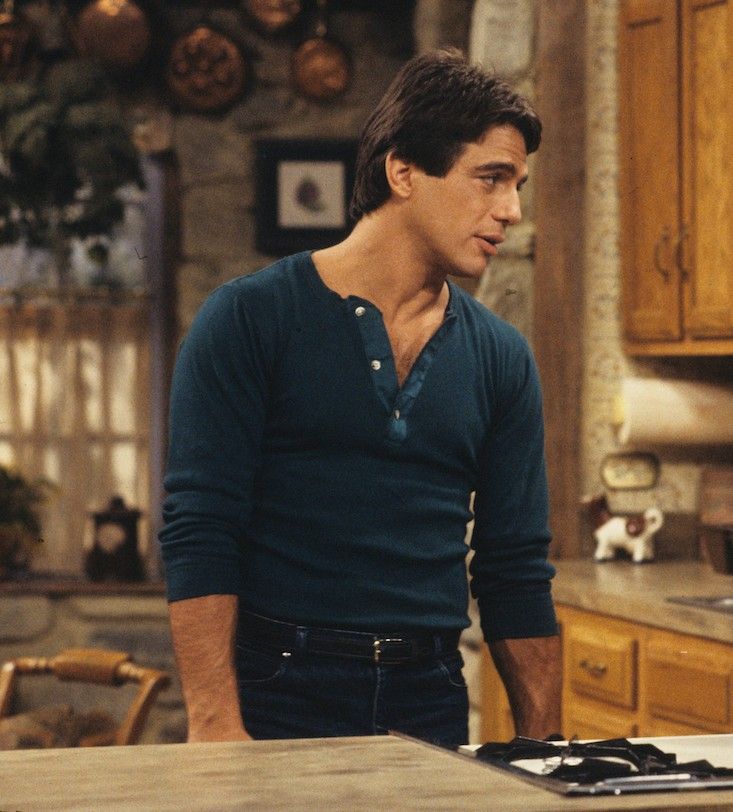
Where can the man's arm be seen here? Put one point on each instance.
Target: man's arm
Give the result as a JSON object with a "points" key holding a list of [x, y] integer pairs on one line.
{"points": [[531, 670], [218, 403], [203, 632]]}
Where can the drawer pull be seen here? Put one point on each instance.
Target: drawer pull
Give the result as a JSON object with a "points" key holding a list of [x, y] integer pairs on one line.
{"points": [[594, 669]]}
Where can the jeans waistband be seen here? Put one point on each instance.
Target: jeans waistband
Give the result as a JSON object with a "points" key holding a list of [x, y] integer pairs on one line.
{"points": [[385, 649]]}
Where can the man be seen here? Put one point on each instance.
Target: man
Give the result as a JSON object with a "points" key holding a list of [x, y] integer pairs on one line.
{"points": [[332, 415]]}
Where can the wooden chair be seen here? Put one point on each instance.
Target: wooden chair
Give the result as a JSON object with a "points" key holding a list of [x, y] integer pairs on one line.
{"points": [[98, 666]]}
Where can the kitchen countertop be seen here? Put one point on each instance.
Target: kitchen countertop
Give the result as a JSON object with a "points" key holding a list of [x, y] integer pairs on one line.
{"points": [[367, 773], [638, 592]]}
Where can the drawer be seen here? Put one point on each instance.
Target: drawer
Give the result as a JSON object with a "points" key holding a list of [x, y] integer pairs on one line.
{"points": [[601, 664], [687, 684]]}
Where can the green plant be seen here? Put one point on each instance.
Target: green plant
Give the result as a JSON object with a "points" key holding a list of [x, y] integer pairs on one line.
{"points": [[20, 524], [64, 154]]}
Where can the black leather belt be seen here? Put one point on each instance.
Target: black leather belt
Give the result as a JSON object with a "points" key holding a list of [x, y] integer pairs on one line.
{"points": [[388, 649]]}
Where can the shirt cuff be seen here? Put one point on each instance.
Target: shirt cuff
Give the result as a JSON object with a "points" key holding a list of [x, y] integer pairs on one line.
{"points": [[529, 614], [195, 581]]}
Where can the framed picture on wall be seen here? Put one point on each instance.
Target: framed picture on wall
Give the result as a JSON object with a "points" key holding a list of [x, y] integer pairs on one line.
{"points": [[302, 193]]}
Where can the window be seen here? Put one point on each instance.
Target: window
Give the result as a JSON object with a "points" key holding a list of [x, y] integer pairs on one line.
{"points": [[85, 376]]}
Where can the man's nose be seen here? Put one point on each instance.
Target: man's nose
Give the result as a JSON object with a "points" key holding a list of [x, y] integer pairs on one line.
{"points": [[509, 209]]}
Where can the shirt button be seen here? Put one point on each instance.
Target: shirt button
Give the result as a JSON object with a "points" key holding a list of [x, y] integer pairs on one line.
{"points": [[360, 311], [376, 365]]}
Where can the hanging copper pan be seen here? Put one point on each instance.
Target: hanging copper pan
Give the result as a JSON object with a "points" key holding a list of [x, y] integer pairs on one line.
{"points": [[115, 32], [321, 66], [206, 70], [273, 15]]}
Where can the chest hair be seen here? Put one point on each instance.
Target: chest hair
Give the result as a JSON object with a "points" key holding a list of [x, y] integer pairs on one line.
{"points": [[408, 341]]}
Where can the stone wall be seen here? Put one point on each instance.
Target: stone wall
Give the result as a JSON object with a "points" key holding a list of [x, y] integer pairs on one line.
{"points": [[44, 624], [502, 39], [215, 154]]}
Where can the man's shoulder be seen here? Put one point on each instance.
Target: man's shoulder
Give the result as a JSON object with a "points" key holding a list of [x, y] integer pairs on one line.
{"points": [[263, 298], [261, 293], [290, 270], [477, 316]]}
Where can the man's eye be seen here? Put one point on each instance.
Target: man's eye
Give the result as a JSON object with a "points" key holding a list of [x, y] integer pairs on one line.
{"points": [[490, 180]]}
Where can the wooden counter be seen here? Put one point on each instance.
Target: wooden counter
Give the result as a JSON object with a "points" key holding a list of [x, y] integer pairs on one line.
{"points": [[639, 592], [381, 773]]}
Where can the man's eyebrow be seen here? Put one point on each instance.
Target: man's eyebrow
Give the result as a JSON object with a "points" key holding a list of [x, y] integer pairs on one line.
{"points": [[506, 167]]}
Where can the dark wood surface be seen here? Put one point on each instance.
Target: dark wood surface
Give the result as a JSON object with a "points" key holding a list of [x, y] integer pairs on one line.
{"points": [[559, 262]]}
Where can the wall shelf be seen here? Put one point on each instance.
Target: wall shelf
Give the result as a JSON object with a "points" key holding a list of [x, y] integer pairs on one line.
{"points": [[60, 584]]}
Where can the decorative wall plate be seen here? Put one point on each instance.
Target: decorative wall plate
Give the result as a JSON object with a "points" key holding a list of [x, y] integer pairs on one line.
{"points": [[206, 70]]}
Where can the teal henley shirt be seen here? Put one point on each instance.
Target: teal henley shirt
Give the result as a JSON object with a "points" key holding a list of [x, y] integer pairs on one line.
{"points": [[303, 478]]}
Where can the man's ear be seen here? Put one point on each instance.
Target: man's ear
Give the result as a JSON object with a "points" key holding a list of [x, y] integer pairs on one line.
{"points": [[400, 175]]}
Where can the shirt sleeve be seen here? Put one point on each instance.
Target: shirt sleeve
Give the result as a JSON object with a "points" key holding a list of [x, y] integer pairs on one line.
{"points": [[217, 412], [510, 573]]}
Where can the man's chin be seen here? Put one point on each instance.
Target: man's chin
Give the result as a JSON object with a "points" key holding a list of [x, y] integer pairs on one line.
{"points": [[475, 272]]}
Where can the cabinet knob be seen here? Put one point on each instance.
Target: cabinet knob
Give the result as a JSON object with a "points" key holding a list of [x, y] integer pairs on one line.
{"points": [[594, 669]]}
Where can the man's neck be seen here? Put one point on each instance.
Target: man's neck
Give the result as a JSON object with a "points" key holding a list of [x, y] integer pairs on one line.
{"points": [[376, 262]]}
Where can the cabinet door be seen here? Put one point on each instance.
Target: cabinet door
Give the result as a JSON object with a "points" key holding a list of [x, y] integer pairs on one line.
{"points": [[649, 169], [707, 167], [688, 680], [586, 721], [497, 723]]}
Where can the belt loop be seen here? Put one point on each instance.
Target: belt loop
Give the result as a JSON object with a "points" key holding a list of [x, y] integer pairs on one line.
{"points": [[301, 638]]}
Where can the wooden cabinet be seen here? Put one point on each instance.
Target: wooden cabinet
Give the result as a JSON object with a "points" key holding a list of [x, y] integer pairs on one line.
{"points": [[676, 175], [642, 681], [628, 679]]}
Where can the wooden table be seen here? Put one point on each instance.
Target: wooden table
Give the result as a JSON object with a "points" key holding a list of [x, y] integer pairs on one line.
{"points": [[381, 773]]}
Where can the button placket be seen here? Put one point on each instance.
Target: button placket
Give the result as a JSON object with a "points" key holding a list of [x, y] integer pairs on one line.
{"points": [[375, 340]]}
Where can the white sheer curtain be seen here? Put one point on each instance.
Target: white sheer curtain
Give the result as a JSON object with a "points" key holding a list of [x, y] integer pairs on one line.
{"points": [[75, 408]]}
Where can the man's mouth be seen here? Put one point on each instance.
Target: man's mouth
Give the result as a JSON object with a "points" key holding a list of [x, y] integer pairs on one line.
{"points": [[490, 242]]}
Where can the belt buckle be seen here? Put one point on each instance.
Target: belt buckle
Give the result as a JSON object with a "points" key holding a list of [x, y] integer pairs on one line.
{"points": [[381, 642]]}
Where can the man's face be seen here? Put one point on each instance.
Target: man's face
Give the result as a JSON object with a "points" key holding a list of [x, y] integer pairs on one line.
{"points": [[460, 219]]}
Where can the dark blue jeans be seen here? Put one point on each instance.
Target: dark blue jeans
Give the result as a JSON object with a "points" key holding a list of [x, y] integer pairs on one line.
{"points": [[287, 695]]}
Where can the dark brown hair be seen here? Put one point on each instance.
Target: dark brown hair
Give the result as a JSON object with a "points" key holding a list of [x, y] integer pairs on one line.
{"points": [[435, 105]]}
